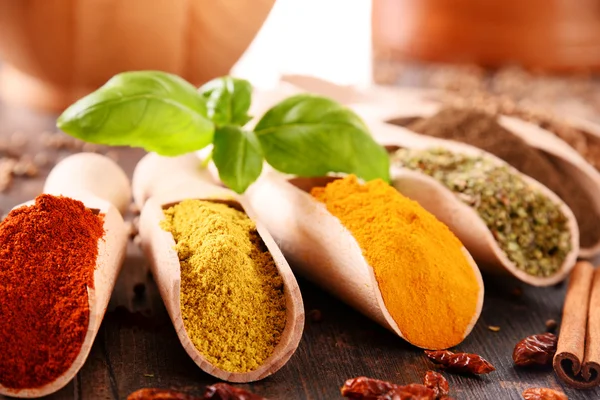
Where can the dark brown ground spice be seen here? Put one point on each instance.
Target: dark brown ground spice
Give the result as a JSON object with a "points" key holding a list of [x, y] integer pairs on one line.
{"points": [[584, 142], [483, 130], [48, 255]]}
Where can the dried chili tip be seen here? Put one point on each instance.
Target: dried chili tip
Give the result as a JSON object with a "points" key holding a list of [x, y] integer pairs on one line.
{"points": [[160, 394], [462, 363], [223, 391], [436, 382], [535, 350], [543, 394]]}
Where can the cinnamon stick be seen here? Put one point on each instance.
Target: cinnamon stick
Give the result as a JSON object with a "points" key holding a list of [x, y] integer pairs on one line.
{"points": [[577, 359]]}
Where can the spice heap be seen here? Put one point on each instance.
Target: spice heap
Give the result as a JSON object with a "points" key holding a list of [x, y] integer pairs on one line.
{"points": [[47, 258], [585, 143], [427, 284], [527, 226], [228, 280], [483, 130]]}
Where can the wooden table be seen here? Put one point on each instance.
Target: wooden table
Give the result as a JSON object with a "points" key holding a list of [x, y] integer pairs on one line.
{"points": [[137, 346]]}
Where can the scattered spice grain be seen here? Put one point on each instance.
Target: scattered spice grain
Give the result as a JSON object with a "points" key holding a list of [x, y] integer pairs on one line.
{"points": [[48, 255], [228, 280], [482, 130], [315, 315], [551, 326], [427, 283], [529, 227], [493, 328]]}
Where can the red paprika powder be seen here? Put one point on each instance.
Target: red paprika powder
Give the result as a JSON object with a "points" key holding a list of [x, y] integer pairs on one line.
{"points": [[48, 254]]}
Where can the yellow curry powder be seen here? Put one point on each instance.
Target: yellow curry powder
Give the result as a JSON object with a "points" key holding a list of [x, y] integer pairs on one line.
{"points": [[232, 299], [426, 282]]}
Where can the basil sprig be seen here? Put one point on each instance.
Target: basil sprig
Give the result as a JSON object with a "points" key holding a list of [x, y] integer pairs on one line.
{"points": [[304, 135]]}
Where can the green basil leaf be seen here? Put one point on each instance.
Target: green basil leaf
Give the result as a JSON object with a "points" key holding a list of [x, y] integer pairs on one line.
{"points": [[238, 158], [155, 110], [228, 100], [310, 135]]}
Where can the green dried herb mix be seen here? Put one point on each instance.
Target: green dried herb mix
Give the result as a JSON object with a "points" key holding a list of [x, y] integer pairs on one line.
{"points": [[527, 226]]}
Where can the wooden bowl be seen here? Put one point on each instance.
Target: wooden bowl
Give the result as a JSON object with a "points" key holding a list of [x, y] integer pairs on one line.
{"points": [[544, 34], [60, 50]]}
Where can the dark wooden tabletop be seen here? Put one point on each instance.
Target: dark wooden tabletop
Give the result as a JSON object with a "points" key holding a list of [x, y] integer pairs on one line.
{"points": [[137, 346]]}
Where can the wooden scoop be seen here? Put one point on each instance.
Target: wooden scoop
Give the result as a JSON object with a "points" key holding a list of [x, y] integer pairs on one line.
{"points": [[159, 247], [322, 249], [560, 152], [385, 104], [65, 179], [462, 219]]}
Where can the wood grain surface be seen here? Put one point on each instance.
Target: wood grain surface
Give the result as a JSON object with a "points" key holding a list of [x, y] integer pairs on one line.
{"points": [[137, 346]]}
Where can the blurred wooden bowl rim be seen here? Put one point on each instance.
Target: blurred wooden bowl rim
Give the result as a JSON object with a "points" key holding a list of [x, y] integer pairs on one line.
{"points": [[55, 51], [553, 35]]}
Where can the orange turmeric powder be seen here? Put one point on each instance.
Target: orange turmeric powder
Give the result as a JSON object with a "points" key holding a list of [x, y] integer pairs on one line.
{"points": [[426, 281]]}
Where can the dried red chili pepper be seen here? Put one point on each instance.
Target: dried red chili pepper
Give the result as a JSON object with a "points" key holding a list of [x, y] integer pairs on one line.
{"points": [[414, 391], [436, 382], [544, 394], [535, 350], [160, 394], [223, 391], [47, 259], [462, 363], [365, 388]]}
